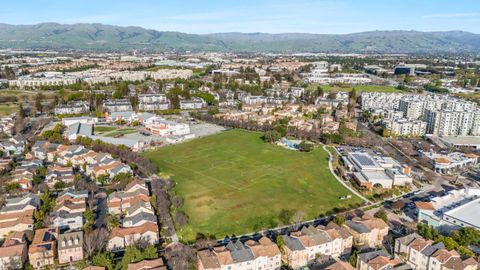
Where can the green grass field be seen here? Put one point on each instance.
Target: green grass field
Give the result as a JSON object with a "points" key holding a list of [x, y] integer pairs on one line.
{"points": [[234, 183], [120, 132], [7, 109], [359, 88], [104, 128]]}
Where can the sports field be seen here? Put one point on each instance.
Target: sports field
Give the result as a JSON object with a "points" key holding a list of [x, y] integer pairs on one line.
{"points": [[234, 183]]}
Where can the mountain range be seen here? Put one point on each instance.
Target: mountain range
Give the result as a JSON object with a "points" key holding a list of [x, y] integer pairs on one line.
{"points": [[102, 37]]}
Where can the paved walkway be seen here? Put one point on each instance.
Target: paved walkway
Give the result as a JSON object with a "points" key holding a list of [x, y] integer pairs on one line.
{"points": [[330, 166]]}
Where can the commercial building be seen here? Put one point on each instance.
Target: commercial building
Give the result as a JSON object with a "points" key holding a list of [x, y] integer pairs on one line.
{"points": [[379, 171], [456, 209]]}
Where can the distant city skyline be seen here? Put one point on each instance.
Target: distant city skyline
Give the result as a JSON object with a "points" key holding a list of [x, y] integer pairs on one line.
{"points": [[280, 16]]}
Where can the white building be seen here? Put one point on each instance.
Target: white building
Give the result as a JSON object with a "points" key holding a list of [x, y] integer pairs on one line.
{"points": [[194, 103], [77, 107]]}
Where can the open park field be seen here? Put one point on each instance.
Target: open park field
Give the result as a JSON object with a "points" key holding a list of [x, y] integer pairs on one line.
{"points": [[234, 183]]}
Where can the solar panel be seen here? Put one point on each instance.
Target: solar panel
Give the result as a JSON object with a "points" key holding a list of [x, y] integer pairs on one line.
{"points": [[364, 160]]}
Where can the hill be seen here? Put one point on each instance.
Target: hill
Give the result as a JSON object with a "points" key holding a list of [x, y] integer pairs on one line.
{"points": [[110, 38]]}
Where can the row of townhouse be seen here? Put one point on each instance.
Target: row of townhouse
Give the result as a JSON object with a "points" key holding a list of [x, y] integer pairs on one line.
{"points": [[75, 107], [88, 161], [302, 247], [153, 102], [299, 248], [138, 219], [423, 254], [262, 254]]}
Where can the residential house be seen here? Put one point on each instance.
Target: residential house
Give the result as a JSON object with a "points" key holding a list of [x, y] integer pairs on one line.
{"points": [[42, 251], [122, 237], [57, 174], [304, 246], [16, 222], [66, 220], [261, 254], [13, 252], [376, 260], [367, 231], [21, 204], [420, 253], [156, 264], [70, 246], [340, 265]]}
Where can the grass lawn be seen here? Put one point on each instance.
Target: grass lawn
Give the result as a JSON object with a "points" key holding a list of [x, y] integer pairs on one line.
{"points": [[234, 183], [104, 128], [359, 88], [6, 109], [120, 132]]}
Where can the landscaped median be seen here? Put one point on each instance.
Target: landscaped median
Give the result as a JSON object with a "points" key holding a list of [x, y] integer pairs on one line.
{"points": [[235, 183]]}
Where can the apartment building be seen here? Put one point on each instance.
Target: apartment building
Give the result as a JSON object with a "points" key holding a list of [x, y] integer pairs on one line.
{"points": [[77, 107], [117, 105]]}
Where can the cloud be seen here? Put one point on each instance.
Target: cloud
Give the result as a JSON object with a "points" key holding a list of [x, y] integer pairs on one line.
{"points": [[452, 15]]}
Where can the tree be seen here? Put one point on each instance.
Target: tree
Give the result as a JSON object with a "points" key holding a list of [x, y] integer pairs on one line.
{"points": [[271, 136], [449, 243], [89, 220], [21, 111], [466, 236], [180, 257], [112, 221], [353, 258], [103, 259], [38, 102], [298, 217], [150, 252], [381, 214], [305, 146], [132, 254], [339, 220], [59, 185], [94, 241], [12, 187], [465, 252]]}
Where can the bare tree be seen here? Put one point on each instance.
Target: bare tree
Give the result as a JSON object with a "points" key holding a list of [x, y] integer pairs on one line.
{"points": [[95, 241], [179, 256]]}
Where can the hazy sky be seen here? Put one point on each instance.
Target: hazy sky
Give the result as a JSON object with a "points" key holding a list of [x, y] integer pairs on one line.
{"points": [[273, 16]]}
